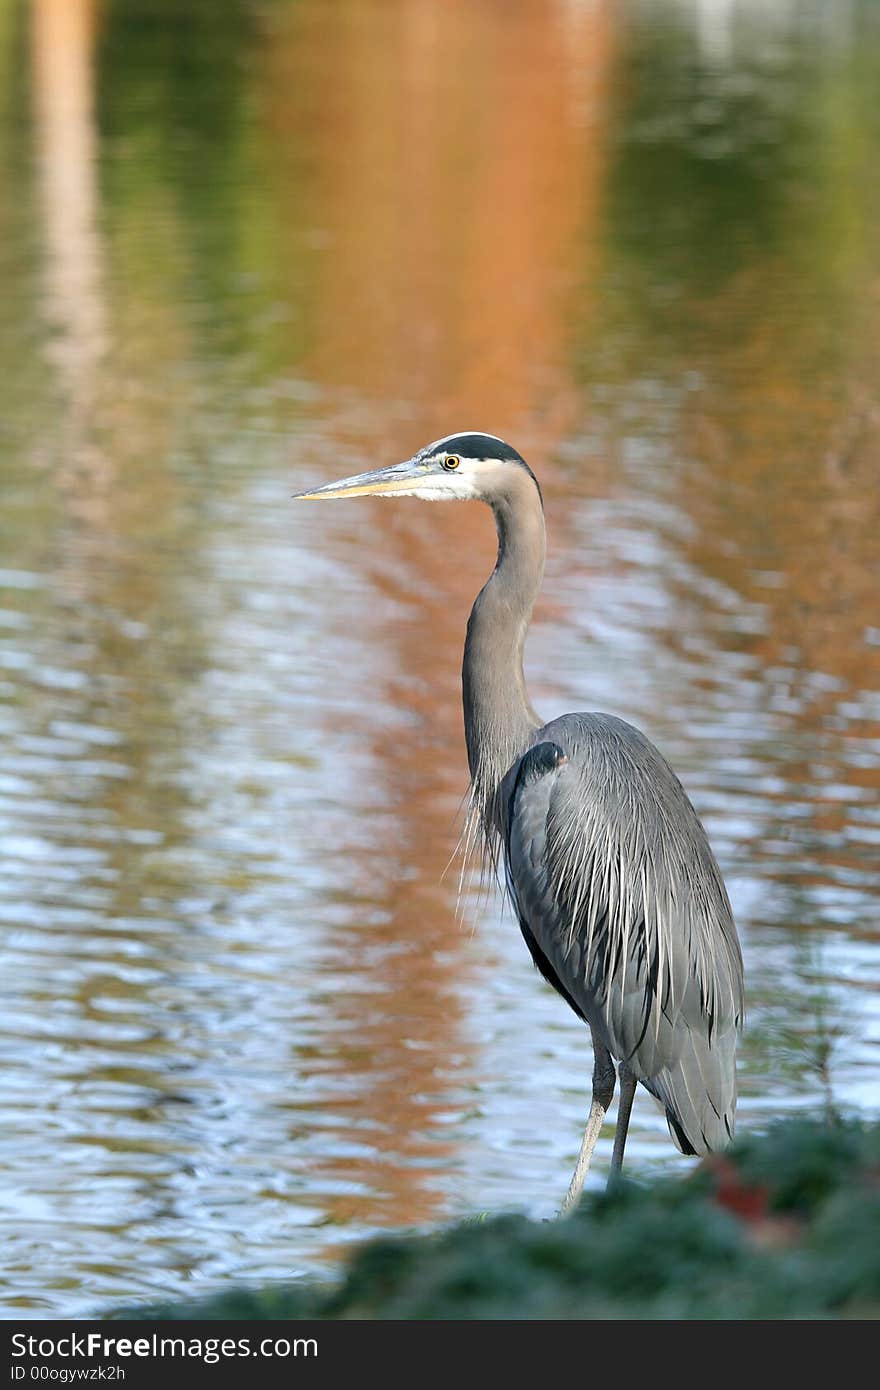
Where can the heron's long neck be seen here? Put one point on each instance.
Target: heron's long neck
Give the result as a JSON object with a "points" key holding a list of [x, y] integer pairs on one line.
{"points": [[498, 716]]}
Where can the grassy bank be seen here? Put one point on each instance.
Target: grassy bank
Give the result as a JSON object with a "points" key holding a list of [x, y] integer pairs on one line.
{"points": [[787, 1224]]}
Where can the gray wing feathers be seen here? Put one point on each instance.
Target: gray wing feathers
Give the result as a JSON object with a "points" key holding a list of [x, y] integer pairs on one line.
{"points": [[611, 873]]}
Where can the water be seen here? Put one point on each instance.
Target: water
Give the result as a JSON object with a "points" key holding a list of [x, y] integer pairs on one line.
{"points": [[249, 248]]}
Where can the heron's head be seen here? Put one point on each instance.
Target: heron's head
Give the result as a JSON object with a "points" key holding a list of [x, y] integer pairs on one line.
{"points": [[460, 467]]}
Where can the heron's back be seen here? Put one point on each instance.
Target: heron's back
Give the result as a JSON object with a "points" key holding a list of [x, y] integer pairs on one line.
{"points": [[623, 907]]}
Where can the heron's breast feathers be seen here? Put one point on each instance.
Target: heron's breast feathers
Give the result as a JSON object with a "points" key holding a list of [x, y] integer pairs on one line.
{"points": [[611, 871]]}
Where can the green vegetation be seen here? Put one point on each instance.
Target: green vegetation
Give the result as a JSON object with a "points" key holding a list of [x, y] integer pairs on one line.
{"points": [[787, 1225]]}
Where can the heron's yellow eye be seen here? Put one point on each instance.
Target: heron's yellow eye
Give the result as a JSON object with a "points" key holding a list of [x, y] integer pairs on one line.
{"points": [[451, 462]]}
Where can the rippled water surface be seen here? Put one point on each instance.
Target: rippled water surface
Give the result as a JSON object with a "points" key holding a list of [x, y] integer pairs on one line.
{"points": [[250, 247]]}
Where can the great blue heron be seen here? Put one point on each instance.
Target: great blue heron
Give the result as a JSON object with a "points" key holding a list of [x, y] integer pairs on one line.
{"points": [[618, 894]]}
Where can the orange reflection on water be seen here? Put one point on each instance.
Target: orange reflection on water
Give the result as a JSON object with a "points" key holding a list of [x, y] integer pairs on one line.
{"points": [[458, 158], [63, 36], [783, 491]]}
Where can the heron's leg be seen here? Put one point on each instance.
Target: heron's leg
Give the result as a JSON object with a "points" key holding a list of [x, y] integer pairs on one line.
{"points": [[603, 1091], [624, 1106]]}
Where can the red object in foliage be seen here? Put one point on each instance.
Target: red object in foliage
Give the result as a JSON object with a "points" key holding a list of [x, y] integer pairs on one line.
{"points": [[751, 1203], [747, 1200]]}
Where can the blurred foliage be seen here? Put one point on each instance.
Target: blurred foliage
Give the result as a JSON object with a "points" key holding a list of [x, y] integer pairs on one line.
{"points": [[786, 1225]]}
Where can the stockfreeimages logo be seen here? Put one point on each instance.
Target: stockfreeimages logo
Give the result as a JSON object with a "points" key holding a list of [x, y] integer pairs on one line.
{"points": [[93, 1345]]}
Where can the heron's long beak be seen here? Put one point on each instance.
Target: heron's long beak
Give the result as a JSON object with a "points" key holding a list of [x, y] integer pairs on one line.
{"points": [[401, 478]]}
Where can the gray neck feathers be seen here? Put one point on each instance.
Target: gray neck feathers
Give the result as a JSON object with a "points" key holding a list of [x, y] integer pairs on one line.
{"points": [[498, 716]]}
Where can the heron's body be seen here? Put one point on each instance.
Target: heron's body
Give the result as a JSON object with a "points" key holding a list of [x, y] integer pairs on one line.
{"points": [[639, 938], [616, 889]]}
